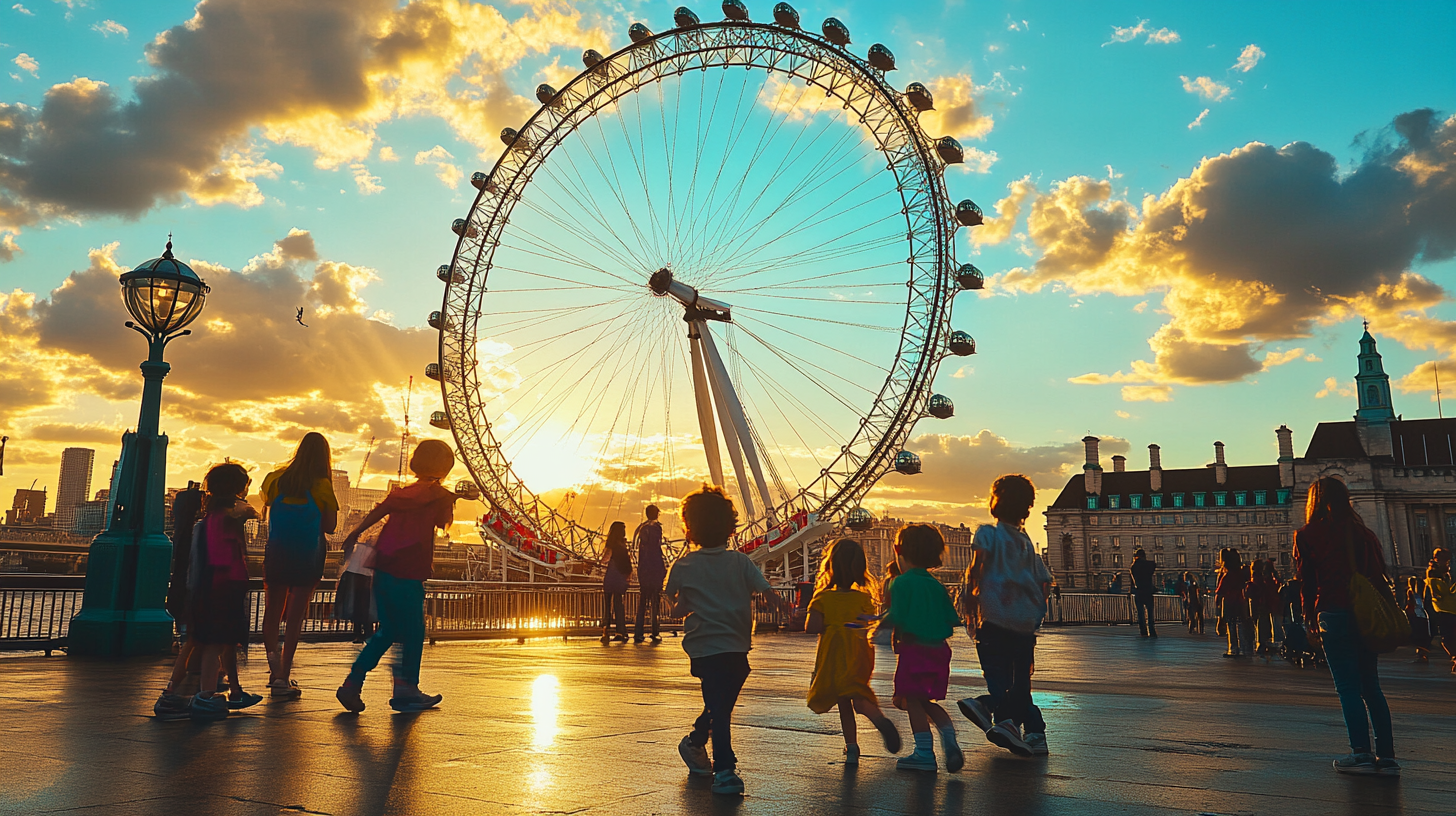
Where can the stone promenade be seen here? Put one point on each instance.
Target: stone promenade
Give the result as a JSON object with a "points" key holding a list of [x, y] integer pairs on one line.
{"points": [[1135, 727]]}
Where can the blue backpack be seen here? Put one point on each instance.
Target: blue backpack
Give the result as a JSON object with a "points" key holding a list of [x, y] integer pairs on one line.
{"points": [[295, 539]]}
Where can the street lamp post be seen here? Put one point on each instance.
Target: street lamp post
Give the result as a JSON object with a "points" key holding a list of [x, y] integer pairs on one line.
{"points": [[130, 562]]}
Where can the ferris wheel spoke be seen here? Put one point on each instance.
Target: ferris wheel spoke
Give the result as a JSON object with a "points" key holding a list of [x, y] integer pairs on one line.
{"points": [[556, 253], [613, 184], [826, 250], [791, 316], [806, 225], [804, 361], [773, 386], [567, 228], [735, 131], [795, 283], [878, 368], [580, 192], [545, 373], [773, 122]]}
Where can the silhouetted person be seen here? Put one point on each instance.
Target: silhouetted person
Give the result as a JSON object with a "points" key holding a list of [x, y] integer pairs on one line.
{"points": [[1143, 590], [614, 583], [651, 571], [1333, 545], [186, 507]]}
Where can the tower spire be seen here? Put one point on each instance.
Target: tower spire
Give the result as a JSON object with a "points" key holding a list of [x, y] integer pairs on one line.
{"points": [[1372, 384]]}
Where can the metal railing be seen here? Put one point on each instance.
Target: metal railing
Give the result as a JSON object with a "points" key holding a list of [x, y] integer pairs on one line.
{"points": [[36, 615]]}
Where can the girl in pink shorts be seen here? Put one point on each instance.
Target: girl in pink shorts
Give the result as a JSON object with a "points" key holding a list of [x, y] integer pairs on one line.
{"points": [[922, 617]]}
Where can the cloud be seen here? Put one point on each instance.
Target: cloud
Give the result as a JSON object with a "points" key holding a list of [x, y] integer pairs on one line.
{"points": [[1248, 58], [1261, 245], [1147, 393], [249, 373], [958, 112], [445, 170], [1207, 88], [27, 63], [8, 248], [997, 228], [109, 27], [1122, 415], [387, 154], [1334, 386], [1198, 121], [978, 160], [367, 184], [323, 75], [1279, 358], [21, 9], [963, 372], [1121, 34]]}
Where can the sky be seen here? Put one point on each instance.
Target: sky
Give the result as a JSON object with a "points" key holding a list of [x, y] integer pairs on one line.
{"points": [[1190, 209]]}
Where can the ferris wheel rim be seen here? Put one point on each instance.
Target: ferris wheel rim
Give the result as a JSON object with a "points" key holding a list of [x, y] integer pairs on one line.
{"points": [[498, 479]]}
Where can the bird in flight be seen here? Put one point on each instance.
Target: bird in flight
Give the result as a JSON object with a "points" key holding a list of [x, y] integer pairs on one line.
{"points": [[299, 317]]}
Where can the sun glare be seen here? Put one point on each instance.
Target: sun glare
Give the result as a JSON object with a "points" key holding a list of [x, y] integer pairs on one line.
{"points": [[545, 701]]}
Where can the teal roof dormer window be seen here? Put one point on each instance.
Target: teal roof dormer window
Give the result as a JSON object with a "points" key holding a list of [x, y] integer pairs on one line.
{"points": [[1261, 497], [1136, 501], [1284, 496], [1091, 502], [1157, 499], [1177, 499], [1114, 502], [1198, 499], [1241, 498], [1220, 499]]}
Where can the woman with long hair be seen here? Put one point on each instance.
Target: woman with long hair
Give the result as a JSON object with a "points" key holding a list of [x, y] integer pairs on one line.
{"points": [[1441, 592], [1232, 609], [614, 583], [300, 508], [1333, 544]]}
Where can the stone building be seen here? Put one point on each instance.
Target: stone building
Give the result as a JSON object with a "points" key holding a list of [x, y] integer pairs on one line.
{"points": [[1181, 517], [1401, 472], [879, 545]]}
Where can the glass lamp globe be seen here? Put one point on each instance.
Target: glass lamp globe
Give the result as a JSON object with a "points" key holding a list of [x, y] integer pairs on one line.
{"points": [[163, 295]]}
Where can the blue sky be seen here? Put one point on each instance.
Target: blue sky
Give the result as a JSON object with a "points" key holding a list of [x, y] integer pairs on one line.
{"points": [[1058, 97]]}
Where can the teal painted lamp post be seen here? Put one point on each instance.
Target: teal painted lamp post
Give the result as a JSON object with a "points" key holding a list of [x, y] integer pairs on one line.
{"points": [[130, 562]]}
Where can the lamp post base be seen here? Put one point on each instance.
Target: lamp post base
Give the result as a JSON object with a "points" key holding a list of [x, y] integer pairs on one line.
{"points": [[126, 582]]}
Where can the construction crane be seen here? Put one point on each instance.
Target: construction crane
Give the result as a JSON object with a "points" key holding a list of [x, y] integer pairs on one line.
{"points": [[367, 451], [404, 437]]}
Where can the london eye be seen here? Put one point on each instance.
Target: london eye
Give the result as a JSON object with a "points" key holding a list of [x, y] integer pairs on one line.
{"points": [[722, 253]]}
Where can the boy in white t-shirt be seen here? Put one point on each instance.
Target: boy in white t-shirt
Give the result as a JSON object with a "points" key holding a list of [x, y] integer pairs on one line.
{"points": [[1003, 601], [712, 590]]}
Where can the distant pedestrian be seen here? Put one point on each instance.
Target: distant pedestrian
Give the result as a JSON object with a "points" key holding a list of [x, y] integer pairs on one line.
{"points": [[838, 614], [1180, 591], [618, 564], [712, 589], [1143, 589], [1114, 587], [1420, 619], [1232, 607], [1193, 603], [1442, 593], [217, 587], [403, 561], [300, 508], [923, 619], [1003, 602], [1261, 593], [1329, 549], [651, 571]]}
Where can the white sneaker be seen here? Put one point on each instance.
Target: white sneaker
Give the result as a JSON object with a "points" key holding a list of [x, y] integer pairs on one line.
{"points": [[917, 761], [1038, 744], [851, 756], [976, 713], [1005, 735], [728, 783], [695, 757]]}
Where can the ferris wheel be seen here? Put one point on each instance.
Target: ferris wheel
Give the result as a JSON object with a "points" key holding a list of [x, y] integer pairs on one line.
{"points": [[726, 238]]}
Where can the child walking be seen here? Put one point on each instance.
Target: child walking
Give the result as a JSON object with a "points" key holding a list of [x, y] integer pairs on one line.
{"points": [[922, 618], [845, 660], [217, 585], [712, 589], [404, 558], [1003, 600]]}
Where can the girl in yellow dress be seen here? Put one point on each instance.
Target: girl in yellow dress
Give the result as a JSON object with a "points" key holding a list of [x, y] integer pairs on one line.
{"points": [[839, 613]]}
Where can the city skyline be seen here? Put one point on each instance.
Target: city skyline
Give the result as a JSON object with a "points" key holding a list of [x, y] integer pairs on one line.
{"points": [[1186, 260]]}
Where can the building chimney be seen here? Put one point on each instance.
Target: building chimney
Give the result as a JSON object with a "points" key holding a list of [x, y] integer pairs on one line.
{"points": [[1220, 468], [1286, 455], [1092, 470], [1119, 463], [1155, 468]]}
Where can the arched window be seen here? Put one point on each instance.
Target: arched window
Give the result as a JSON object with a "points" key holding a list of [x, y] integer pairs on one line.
{"points": [[1372, 395], [1369, 365]]}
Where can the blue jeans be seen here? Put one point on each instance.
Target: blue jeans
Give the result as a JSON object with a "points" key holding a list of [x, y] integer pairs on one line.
{"points": [[1353, 667], [401, 606]]}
